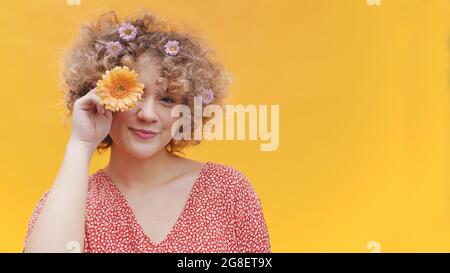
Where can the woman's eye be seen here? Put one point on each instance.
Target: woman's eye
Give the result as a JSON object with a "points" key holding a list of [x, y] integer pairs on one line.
{"points": [[168, 100]]}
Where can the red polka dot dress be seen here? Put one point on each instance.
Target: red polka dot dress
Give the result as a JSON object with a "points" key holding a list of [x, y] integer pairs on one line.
{"points": [[223, 213]]}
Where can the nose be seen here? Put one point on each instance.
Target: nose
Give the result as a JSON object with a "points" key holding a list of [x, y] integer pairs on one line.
{"points": [[146, 109]]}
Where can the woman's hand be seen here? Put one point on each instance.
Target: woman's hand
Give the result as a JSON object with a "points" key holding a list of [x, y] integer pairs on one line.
{"points": [[91, 122]]}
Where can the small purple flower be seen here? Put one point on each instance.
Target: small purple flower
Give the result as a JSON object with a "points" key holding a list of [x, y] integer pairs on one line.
{"points": [[127, 31], [172, 47], [207, 96], [113, 48]]}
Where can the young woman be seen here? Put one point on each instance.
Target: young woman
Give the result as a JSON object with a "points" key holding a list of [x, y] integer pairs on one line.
{"points": [[148, 198]]}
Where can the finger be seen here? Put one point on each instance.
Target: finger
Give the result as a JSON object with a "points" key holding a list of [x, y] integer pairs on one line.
{"points": [[100, 109], [92, 95], [90, 101], [108, 114]]}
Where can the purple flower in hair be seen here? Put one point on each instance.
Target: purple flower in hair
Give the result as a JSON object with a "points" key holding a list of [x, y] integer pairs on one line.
{"points": [[207, 96], [127, 31], [172, 47]]}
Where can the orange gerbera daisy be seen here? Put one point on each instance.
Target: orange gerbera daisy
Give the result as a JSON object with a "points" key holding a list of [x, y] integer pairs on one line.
{"points": [[119, 90]]}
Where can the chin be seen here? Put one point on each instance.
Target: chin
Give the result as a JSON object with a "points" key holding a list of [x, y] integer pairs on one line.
{"points": [[144, 151]]}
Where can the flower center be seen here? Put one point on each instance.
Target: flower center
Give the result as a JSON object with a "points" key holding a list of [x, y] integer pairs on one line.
{"points": [[119, 91], [128, 31]]}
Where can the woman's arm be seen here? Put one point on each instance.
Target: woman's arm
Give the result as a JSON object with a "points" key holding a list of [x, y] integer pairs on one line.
{"points": [[61, 219], [62, 216]]}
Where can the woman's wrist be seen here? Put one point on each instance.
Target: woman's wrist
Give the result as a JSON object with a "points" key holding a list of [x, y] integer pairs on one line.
{"points": [[80, 148]]}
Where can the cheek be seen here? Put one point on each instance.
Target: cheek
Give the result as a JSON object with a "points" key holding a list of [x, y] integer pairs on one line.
{"points": [[119, 120], [166, 119]]}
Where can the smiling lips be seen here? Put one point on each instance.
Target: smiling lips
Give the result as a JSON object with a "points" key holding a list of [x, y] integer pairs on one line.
{"points": [[144, 134]]}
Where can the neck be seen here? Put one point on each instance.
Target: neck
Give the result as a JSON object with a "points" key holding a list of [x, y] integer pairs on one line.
{"points": [[128, 171]]}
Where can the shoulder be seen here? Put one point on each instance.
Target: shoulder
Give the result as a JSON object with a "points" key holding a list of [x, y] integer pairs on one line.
{"points": [[224, 174], [230, 180], [97, 178], [100, 188]]}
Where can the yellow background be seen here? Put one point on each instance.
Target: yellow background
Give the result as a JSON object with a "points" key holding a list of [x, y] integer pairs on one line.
{"points": [[363, 95]]}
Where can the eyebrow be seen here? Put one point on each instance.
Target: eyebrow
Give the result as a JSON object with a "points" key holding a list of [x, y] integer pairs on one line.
{"points": [[171, 93], [168, 92]]}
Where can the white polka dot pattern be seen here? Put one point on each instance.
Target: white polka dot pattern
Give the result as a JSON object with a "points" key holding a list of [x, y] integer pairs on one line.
{"points": [[223, 213]]}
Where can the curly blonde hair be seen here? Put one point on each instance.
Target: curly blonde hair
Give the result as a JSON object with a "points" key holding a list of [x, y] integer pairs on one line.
{"points": [[188, 73]]}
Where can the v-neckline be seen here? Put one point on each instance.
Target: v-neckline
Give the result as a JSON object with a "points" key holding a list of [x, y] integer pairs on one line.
{"points": [[180, 217]]}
